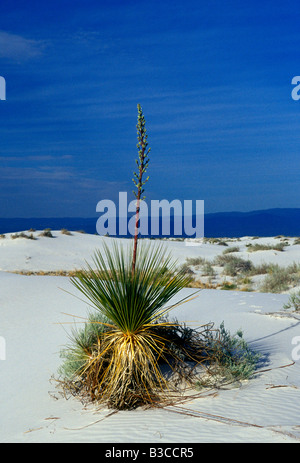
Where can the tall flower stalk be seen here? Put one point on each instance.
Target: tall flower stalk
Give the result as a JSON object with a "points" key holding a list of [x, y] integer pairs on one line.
{"points": [[142, 164]]}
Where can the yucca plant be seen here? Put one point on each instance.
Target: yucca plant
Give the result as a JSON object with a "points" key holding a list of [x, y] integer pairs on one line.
{"points": [[119, 356], [122, 364], [131, 291]]}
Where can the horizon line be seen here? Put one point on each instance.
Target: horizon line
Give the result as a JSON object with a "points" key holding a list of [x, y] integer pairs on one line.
{"points": [[133, 213]]}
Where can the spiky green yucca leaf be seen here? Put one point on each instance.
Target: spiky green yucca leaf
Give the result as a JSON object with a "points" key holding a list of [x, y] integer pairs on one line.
{"points": [[131, 301]]}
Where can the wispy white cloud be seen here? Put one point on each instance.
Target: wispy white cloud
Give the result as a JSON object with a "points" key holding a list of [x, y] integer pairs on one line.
{"points": [[39, 173], [60, 178], [16, 47], [37, 158]]}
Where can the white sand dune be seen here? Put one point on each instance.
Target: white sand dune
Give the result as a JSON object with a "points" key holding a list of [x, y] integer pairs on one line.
{"points": [[34, 325], [70, 252]]}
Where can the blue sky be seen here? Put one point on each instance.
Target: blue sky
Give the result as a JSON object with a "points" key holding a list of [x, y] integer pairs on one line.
{"points": [[214, 82]]}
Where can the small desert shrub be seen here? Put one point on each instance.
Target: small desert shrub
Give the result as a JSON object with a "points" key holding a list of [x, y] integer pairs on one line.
{"points": [[261, 269], [47, 233], [228, 286], [186, 269], [64, 231], [82, 344], [294, 268], [194, 261], [244, 283], [245, 280], [224, 259], [62, 273], [233, 265], [231, 249], [196, 283], [265, 247], [237, 267], [293, 302], [198, 263], [2, 236], [207, 269], [297, 241], [234, 359], [219, 241], [281, 279], [22, 235]]}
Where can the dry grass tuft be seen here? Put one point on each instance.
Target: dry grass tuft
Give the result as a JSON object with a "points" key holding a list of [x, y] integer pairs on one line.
{"points": [[47, 233], [64, 231]]}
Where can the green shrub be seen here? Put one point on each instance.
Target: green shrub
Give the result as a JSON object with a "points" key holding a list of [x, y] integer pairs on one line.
{"points": [[244, 280], [47, 233], [22, 235], [280, 279], [261, 269], [231, 249], [228, 286], [293, 302], [186, 269], [64, 231], [293, 268], [207, 269], [82, 343], [265, 247], [194, 261], [237, 267], [233, 265], [234, 359], [219, 241]]}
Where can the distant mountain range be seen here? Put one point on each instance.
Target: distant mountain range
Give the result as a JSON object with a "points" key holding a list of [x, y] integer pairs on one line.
{"points": [[270, 222]]}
